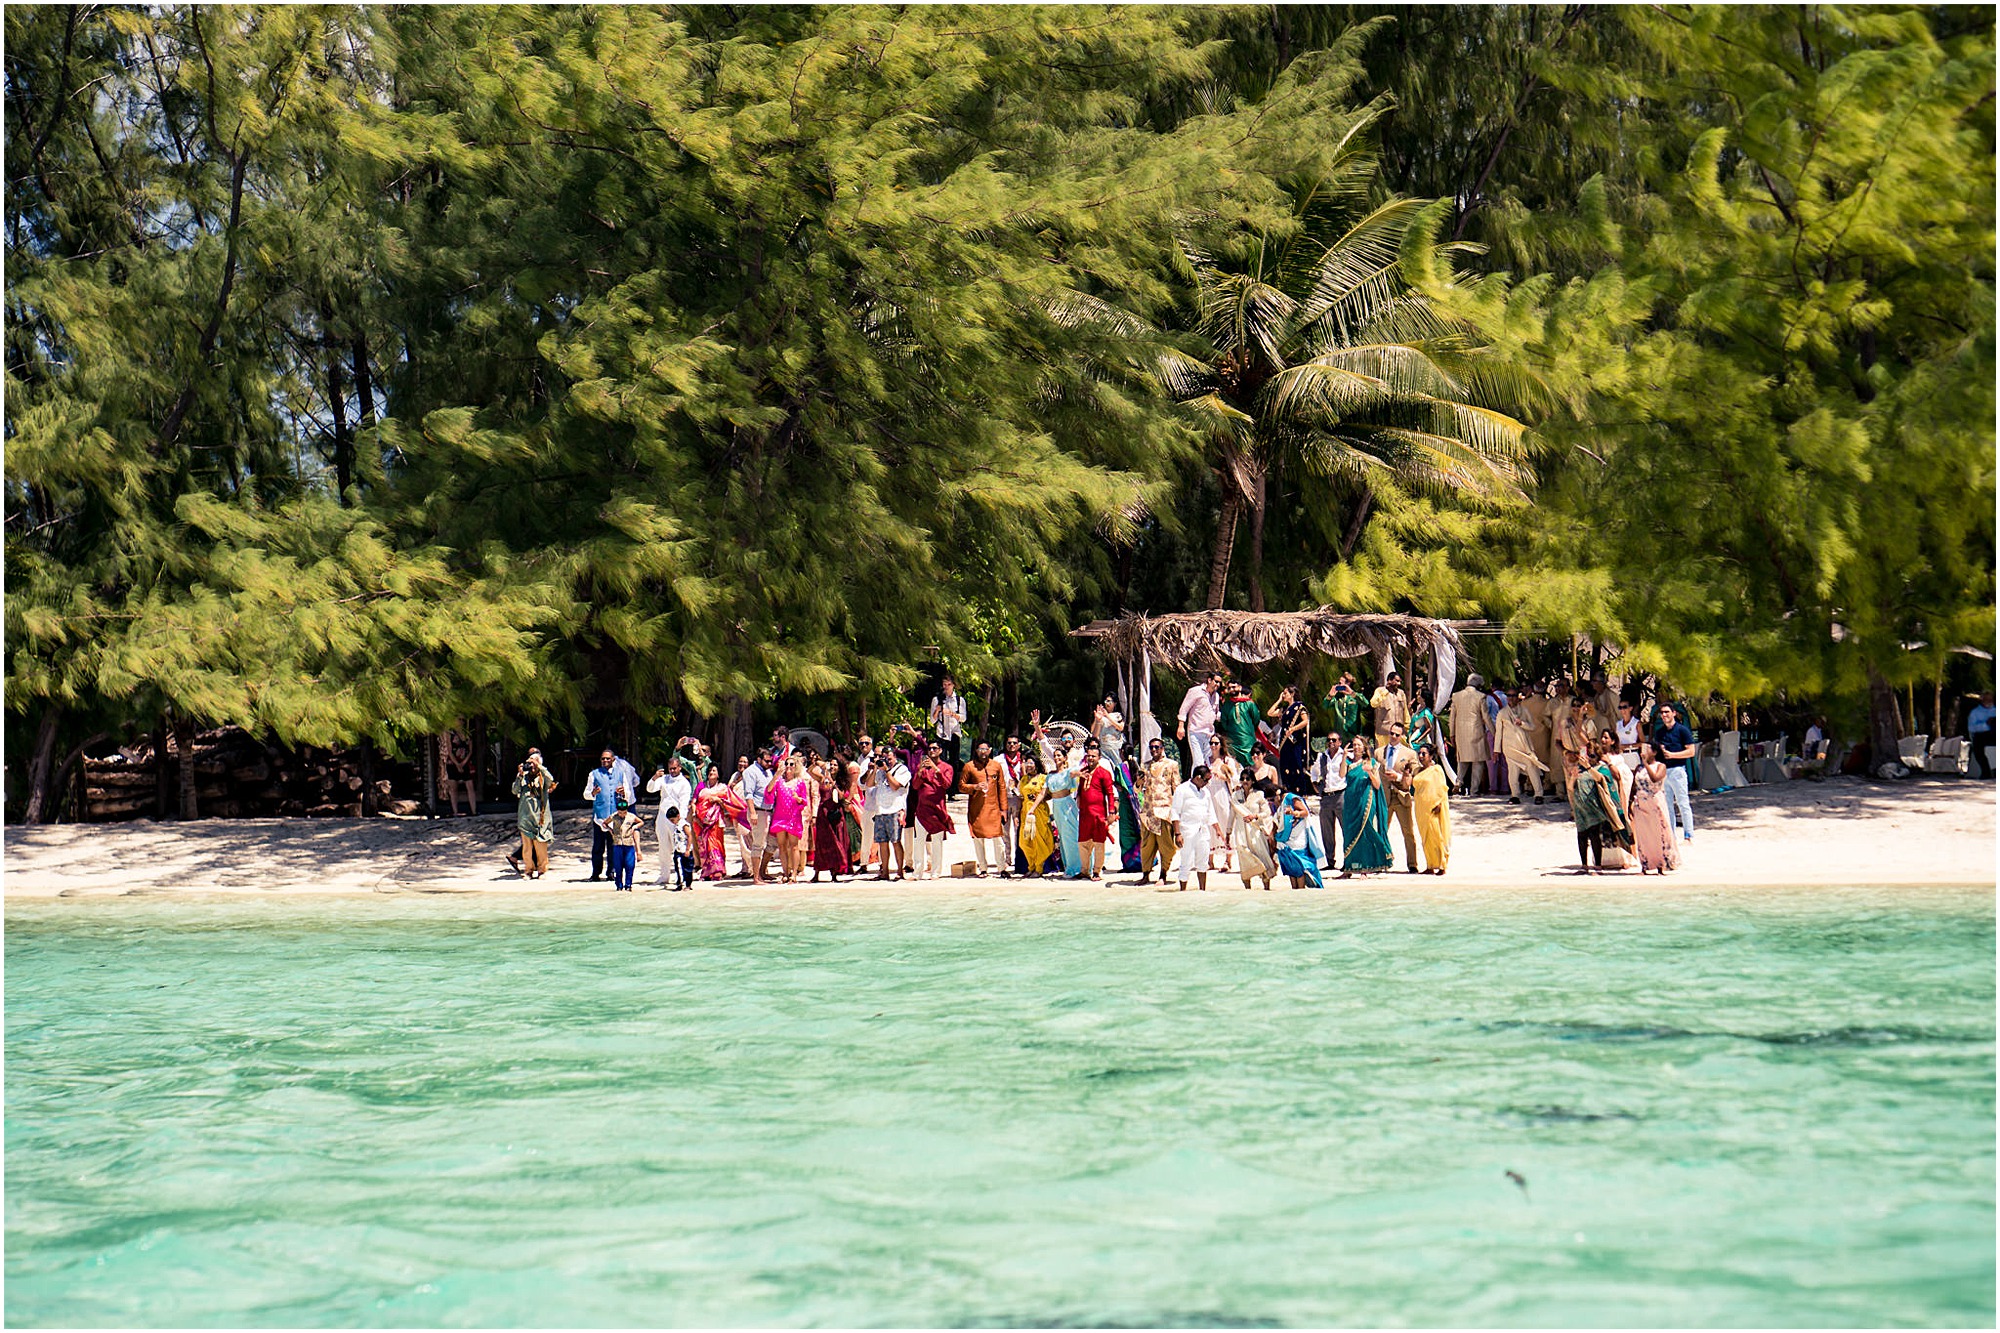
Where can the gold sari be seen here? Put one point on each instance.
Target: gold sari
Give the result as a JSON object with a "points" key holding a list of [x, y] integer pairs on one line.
{"points": [[1038, 838], [1431, 795]]}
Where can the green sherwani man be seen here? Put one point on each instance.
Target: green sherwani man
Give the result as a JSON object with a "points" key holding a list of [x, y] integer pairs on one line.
{"points": [[1237, 724]]}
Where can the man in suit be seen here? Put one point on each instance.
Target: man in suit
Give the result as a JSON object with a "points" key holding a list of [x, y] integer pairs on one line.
{"points": [[1399, 770]]}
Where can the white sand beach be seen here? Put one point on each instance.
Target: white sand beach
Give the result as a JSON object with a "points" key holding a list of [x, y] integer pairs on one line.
{"points": [[1843, 831]]}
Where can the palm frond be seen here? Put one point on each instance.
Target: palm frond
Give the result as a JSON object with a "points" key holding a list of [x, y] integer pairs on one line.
{"points": [[1183, 377], [1238, 311], [1318, 390], [1074, 310], [1405, 368], [1219, 415], [1358, 275], [1440, 461]]}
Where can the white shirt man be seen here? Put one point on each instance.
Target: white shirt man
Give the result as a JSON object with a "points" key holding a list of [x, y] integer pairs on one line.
{"points": [[888, 791], [757, 839], [1329, 775], [1194, 828], [948, 718], [1198, 711], [884, 801]]}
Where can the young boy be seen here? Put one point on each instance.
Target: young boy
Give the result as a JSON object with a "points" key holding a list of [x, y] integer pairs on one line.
{"points": [[682, 857], [623, 826]]}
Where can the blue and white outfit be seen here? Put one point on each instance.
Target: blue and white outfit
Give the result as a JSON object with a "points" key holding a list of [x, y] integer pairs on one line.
{"points": [[1299, 850]]}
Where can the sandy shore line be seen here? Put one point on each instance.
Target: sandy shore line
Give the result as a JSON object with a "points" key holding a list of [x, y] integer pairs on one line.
{"points": [[1840, 832]]}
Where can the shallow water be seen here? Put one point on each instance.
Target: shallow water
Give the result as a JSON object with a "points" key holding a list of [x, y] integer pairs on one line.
{"points": [[1754, 1108]]}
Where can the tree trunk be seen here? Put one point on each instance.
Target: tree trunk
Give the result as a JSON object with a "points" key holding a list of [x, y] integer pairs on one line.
{"points": [[478, 762], [184, 759], [1011, 695], [1225, 545], [41, 806], [1258, 507], [364, 384], [65, 772], [1885, 722], [161, 774], [336, 401], [735, 733], [170, 429], [1354, 526]]}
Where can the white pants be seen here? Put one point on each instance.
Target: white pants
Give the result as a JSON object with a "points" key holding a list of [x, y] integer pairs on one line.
{"points": [[932, 863], [1201, 745], [1194, 853], [984, 847], [1677, 799]]}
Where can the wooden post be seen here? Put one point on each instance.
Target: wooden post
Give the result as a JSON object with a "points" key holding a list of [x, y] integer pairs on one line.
{"points": [[1913, 709]]}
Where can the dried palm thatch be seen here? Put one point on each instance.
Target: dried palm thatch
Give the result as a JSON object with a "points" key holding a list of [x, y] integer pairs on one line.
{"points": [[1195, 640]]}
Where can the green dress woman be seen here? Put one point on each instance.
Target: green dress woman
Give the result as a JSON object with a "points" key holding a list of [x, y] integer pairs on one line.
{"points": [[1599, 813]]}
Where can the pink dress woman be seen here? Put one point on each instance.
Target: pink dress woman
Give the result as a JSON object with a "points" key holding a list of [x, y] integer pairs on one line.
{"points": [[788, 807], [1652, 835]]}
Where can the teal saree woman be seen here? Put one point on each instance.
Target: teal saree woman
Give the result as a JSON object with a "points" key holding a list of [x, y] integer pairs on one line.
{"points": [[1364, 813]]}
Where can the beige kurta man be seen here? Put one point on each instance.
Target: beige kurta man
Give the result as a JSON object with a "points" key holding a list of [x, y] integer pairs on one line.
{"points": [[1392, 707], [1517, 747], [1469, 743], [1542, 728]]}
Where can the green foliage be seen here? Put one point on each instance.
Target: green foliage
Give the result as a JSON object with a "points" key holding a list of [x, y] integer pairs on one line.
{"points": [[372, 367]]}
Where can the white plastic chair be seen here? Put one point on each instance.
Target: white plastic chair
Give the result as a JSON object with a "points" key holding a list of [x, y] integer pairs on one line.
{"points": [[1727, 746], [1911, 750], [1947, 756]]}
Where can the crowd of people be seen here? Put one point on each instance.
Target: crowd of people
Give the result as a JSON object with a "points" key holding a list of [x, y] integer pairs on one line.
{"points": [[1240, 790]]}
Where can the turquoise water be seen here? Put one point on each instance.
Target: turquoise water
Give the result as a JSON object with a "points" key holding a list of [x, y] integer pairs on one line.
{"points": [[1755, 1108]]}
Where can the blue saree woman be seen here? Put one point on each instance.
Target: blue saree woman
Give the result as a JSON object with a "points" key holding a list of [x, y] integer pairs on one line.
{"points": [[1062, 809], [1299, 852]]}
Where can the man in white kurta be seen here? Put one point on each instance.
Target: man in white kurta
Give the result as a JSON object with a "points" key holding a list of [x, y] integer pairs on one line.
{"points": [[1468, 733], [676, 793], [1194, 828]]}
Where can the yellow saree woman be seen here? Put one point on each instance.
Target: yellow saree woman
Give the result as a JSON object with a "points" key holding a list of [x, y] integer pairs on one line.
{"points": [[1430, 794], [1038, 839]]}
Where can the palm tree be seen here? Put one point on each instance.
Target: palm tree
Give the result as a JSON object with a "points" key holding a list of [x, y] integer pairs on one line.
{"points": [[1328, 355]]}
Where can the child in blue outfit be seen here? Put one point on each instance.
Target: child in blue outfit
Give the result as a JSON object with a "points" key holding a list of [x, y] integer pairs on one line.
{"points": [[623, 828], [682, 858]]}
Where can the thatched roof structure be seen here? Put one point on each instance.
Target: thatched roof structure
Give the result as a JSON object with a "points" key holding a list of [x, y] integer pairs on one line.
{"points": [[1189, 641]]}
